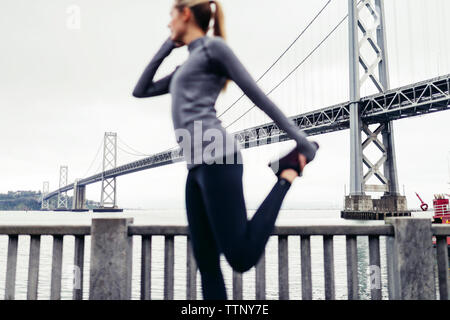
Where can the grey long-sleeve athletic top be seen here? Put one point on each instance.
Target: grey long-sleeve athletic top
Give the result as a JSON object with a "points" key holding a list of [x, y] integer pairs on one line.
{"points": [[195, 86]]}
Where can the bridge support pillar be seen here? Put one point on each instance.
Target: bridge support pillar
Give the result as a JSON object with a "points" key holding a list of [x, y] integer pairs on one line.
{"points": [[108, 196], [356, 157], [390, 166], [358, 203], [367, 28], [62, 196], [79, 197], [389, 203], [45, 203]]}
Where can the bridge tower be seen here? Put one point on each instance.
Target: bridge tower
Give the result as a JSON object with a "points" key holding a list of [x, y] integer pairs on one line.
{"points": [[62, 196], [108, 192], [45, 191], [368, 61]]}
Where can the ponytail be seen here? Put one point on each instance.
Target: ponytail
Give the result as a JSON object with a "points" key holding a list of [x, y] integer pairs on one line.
{"points": [[219, 28], [219, 20]]}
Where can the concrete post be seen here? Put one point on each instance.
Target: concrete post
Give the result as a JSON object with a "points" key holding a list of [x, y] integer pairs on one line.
{"points": [[411, 260], [111, 259]]}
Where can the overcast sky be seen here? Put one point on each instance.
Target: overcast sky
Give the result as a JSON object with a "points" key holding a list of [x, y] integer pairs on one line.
{"points": [[62, 85]]}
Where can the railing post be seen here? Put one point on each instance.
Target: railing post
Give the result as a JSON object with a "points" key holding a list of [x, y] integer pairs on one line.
{"points": [[191, 272], [283, 268], [111, 259], [237, 285], [411, 264], [78, 262], [169, 261], [443, 272], [11, 267], [391, 261], [352, 267], [260, 278]]}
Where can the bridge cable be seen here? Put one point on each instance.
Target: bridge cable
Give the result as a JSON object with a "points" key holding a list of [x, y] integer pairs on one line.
{"points": [[138, 153], [298, 66], [95, 158], [133, 154], [285, 51]]}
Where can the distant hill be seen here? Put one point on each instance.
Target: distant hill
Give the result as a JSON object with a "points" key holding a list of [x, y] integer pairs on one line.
{"points": [[31, 200]]}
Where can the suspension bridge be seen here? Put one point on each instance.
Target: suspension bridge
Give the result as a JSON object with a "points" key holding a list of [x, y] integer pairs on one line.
{"points": [[369, 118]]}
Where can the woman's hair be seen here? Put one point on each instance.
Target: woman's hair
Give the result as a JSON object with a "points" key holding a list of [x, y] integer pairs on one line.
{"points": [[201, 9]]}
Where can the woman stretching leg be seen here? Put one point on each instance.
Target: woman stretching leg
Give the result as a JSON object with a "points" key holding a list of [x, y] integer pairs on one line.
{"points": [[218, 223], [215, 205]]}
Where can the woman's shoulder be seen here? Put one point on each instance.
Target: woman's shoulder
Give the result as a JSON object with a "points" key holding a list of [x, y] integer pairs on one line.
{"points": [[215, 40], [216, 44]]}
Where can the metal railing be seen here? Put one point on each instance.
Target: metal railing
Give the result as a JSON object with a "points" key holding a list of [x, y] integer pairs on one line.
{"points": [[111, 259], [35, 233]]}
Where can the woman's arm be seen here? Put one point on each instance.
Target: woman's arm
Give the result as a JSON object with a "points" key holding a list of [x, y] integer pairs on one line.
{"points": [[146, 87], [224, 58]]}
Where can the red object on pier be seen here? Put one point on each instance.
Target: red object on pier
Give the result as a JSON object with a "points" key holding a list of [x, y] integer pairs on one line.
{"points": [[441, 211], [423, 206]]}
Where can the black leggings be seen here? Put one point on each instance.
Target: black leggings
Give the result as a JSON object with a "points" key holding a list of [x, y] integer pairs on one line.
{"points": [[218, 223]]}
